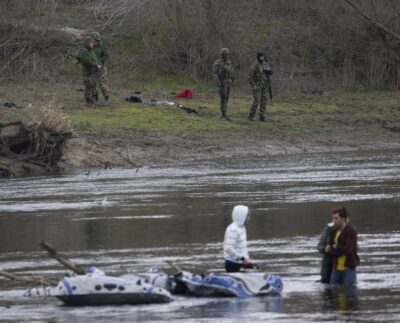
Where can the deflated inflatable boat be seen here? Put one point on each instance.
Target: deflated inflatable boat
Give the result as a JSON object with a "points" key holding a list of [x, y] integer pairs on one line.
{"points": [[95, 288], [241, 284], [231, 284], [155, 286]]}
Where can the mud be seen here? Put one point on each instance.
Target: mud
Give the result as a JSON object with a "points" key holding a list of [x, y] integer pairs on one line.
{"points": [[90, 152]]}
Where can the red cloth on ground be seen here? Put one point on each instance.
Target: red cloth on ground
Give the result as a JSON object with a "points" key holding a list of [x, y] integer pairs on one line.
{"points": [[185, 94]]}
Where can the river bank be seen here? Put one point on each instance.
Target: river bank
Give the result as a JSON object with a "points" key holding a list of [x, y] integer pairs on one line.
{"points": [[137, 134]]}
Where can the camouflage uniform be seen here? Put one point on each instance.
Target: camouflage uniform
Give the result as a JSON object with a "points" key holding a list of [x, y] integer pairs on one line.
{"points": [[89, 64], [223, 73], [102, 55], [258, 73]]}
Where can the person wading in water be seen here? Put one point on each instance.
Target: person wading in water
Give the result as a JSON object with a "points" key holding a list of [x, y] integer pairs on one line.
{"points": [[343, 249], [236, 254]]}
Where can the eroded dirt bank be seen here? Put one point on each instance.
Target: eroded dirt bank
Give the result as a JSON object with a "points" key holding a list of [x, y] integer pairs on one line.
{"points": [[90, 152]]}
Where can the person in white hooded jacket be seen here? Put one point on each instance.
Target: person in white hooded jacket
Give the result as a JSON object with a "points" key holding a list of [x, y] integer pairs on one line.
{"points": [[236, 255]]}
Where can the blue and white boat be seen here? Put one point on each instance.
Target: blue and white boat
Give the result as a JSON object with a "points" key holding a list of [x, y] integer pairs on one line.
{"points": [[95, 288], [231, 284]]}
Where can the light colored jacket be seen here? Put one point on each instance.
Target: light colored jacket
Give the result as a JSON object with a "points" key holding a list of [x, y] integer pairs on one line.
{"points": [[235, 241]]}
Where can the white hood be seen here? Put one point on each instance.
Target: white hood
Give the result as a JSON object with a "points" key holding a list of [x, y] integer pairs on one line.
{"points": [[239, 214]]}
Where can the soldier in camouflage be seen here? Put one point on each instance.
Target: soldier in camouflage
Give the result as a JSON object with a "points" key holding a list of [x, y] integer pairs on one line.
{"points": [[258, 79], [90, 66], [223, 73], [102, 56]]}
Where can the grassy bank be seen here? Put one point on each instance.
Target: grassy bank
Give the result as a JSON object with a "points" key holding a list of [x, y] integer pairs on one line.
{"points": [[292, 113], [132, 133], [351, 117]]}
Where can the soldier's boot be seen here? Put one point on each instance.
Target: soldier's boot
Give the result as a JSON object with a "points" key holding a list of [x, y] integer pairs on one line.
{"points": [[250, 117], [223, 112], [224, 116], [89, 103], [95, 98], [263, 118], [106, 100]]}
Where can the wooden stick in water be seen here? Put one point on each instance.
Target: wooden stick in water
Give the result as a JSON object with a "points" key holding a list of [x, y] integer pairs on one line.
{"points": [[28, 280], [53, 253]]}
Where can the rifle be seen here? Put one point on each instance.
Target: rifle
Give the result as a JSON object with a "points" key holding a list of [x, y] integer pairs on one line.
{"points": [[269, 88]]}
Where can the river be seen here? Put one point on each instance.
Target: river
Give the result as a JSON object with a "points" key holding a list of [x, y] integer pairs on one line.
{"points": [[134, 219]]}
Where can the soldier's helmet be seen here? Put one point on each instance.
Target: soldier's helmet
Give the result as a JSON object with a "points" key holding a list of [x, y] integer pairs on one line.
{"points": [[260, 53], [225, 51], [95, 35]]}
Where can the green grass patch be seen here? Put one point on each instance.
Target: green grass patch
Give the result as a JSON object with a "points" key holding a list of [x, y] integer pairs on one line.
{"points": [[295, 115], [128, 119], [315, 115]]}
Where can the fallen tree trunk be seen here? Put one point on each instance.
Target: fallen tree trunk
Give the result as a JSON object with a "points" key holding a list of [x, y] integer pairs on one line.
{"points": [[53, 253]]}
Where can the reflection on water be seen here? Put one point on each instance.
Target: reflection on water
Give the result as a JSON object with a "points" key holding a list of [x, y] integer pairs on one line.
{"points": [[341, 298], [143, 219]]}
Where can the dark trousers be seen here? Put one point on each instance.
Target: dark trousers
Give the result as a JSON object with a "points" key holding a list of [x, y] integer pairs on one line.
{"points": [[326, 268], [234, 267], [224, 92]]}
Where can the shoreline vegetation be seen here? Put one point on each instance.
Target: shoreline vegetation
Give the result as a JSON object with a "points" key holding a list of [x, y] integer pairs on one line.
{"points": [[346, 50], [126, 134]]}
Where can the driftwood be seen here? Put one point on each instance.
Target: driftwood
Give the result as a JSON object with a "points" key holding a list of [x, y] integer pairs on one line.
{"points": [[53, 253], [41, 281], [176, 267], [29, 280]]}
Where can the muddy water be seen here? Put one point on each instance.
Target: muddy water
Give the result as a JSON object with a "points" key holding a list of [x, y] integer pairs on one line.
{"points": [[141, 218]]}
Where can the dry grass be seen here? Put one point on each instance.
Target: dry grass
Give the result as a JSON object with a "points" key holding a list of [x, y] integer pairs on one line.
{"points": [[47, 117], [34, 134]]}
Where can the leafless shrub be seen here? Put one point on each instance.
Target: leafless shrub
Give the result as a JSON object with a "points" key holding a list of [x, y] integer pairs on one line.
{"points": [[306, 40]]}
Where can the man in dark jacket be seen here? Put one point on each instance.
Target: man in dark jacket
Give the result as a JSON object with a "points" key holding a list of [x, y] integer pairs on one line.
{"points": [[90, 66], [259, 81], [326, 265], [343, 248], [223, 73], [101, 76]]}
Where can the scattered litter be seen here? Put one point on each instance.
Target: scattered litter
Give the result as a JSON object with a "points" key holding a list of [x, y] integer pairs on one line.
{"points": [[133, 99], [170, 103], [156, 102], [152, 101], [312, 91], [185, 94], [11, 105], [187, 109]]}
